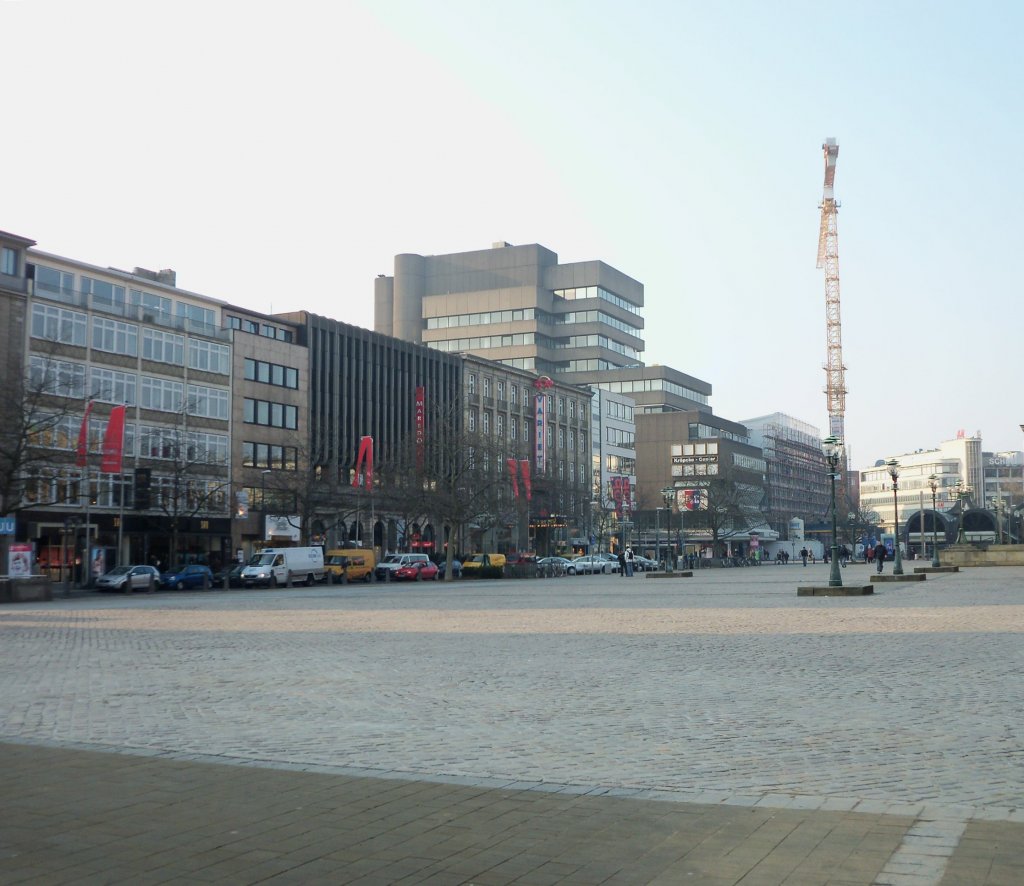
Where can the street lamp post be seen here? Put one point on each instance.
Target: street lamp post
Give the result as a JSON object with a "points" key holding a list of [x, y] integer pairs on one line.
{"points": [[667, 494], [657, 536], [894, 472], [961, 491], [851, 521], [832, 447], [933, 485]]}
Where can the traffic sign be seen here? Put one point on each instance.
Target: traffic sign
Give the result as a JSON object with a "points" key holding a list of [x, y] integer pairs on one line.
{"points": [[7, 525]]}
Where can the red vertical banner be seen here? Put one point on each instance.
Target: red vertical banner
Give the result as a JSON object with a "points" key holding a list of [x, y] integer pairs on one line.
{"points": [[83, 438], [512, 473], [113, 442], [421, 409], [364, 463], [524, 472]]}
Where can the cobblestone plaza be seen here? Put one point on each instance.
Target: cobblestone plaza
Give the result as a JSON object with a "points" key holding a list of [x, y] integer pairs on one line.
{"points": [[721, 690]]}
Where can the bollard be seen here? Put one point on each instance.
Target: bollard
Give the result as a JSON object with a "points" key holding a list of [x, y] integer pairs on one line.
{"points": [[288, 579]]}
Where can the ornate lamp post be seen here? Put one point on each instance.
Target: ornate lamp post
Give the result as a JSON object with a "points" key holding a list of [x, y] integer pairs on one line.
{"points": [[851, 522], [933, 485], [961, 491], [832, 447], [667, 494], [894, 472]]}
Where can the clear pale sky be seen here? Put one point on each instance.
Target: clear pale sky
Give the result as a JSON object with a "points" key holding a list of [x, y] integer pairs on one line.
{"points": [[278, 155]]}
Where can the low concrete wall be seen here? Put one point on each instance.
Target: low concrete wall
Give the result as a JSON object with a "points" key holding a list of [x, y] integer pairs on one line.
{"points": [[982, 555], [36, 589]]}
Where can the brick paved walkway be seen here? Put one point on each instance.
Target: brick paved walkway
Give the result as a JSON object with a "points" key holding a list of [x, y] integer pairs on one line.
{"points": [[520, 732]]}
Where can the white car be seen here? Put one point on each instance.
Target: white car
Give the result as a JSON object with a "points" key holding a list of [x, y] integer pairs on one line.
{"points": [[591, 564], [129, 578]]}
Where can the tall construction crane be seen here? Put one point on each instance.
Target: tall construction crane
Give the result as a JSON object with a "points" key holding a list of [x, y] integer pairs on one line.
{"points": [[828, 258]]}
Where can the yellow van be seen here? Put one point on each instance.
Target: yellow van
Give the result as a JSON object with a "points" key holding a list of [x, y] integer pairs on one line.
{"points": [[476, 564], [358, 563]]}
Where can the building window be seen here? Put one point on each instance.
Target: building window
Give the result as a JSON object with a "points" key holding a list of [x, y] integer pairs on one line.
{"points": [[487, 423], [209, 356], [109, 386], [499, 425], [275, 415], [57, 377], [163, 347], [271, 373], [472, 420], [512, 428], [208, 402], [8, 261], [561, 405], [154, 307], [56, 324], [487, 386], [513, 395], [162, 394], [104, 294], [471, 383], [501, 390], [115, 337]]}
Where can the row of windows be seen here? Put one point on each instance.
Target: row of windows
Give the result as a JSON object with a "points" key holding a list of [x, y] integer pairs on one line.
{"points": [[513, 395], [619, 410], [698, 470], [171, 494], [655, 384], [167, 396], [598, 317], [69, 327], [267, 330], [678, 449], [275, 415], [620, 437], [563, 470], [195, 447], [484, 342], [191, 447], [598, 341], [264, 455], [698, 430], [620, 464], [480, 319], [271, 373], [598, 292], [104, 294]]}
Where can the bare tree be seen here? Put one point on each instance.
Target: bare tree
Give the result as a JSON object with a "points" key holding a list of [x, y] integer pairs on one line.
{"points": [[728, 506]]}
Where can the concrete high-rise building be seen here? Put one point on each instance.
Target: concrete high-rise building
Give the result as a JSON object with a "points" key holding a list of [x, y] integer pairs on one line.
{"points": [[516, 305]]}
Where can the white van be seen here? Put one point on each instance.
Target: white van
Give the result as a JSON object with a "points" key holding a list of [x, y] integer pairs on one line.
{"points": [[276, 566]]}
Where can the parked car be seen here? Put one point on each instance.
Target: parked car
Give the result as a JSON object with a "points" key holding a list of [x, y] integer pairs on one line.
{"points": [[592, 564], [129, 578], [418, 570], [192, 576], [555, 566], [484, 566], [644, 564], [357, 564], [232, 573], [387, 567]]}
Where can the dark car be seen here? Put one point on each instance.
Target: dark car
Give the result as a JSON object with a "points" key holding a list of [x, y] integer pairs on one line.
{"points": [[232, 574], [128, 579], [192, 576], [456, 568]]}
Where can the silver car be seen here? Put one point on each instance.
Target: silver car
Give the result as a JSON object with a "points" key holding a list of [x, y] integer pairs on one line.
{"points": [[129, 578]]}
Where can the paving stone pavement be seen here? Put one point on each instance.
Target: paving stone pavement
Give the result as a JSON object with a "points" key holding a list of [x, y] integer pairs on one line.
{"points": [[777, 728]]}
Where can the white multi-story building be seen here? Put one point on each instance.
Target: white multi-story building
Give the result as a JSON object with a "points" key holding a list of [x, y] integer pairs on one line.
{"points": [[953, 460]]}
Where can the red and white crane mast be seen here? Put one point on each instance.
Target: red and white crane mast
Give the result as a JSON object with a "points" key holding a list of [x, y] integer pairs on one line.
{"points": [[828, 258]]}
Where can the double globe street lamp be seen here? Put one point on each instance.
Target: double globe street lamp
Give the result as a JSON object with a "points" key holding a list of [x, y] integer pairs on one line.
{"points": [[933, 485], [832, 447], [894, 472]]}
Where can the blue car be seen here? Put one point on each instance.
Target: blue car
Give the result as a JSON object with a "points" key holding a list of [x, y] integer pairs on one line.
{"points": [[192, 577]]}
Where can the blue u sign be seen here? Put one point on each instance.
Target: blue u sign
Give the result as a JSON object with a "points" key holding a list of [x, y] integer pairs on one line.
{"points": [[7, 525]]}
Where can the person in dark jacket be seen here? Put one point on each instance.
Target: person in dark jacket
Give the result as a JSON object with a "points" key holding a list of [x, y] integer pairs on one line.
{"points": [[880, 555]]}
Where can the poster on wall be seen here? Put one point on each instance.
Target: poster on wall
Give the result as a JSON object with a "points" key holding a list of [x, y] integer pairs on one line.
{"points": [[19, 560]]}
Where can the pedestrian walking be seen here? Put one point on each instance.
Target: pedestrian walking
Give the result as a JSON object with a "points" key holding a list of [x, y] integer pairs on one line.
{"points": [[880, 553], [622, 562], [629, 562], [803, 555]]}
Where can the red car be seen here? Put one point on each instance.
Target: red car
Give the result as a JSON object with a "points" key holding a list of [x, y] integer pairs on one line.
{"points": [[426, 571]]}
